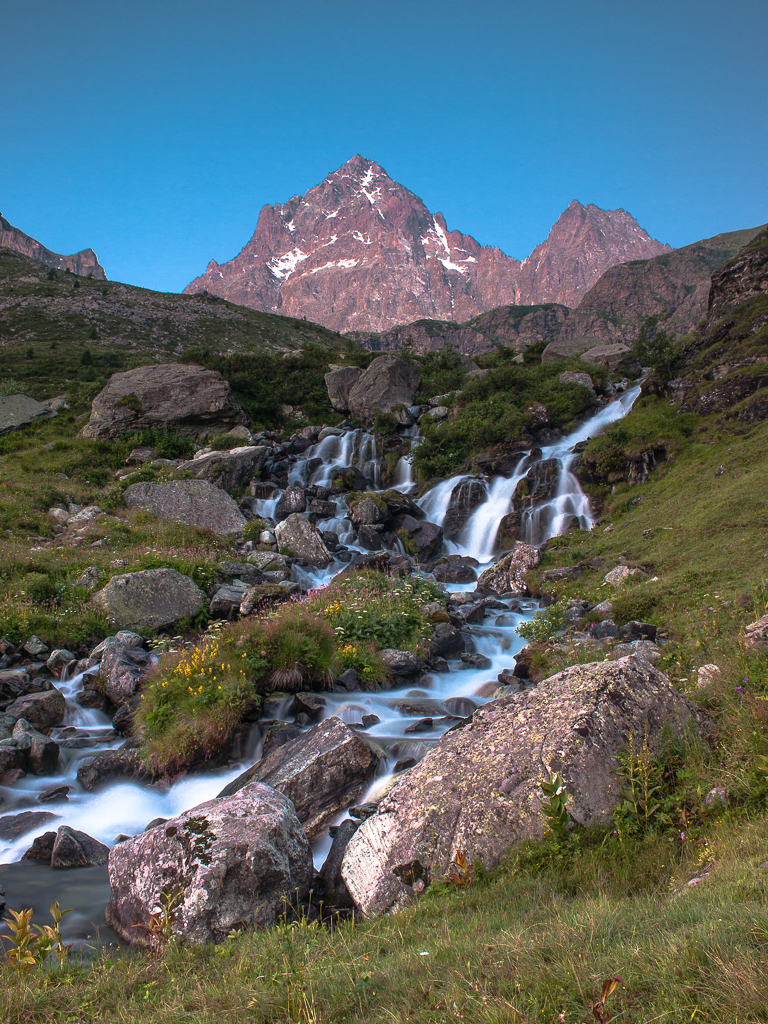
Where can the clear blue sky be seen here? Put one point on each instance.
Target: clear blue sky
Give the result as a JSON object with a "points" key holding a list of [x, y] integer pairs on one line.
{"points": [[155, 131]]}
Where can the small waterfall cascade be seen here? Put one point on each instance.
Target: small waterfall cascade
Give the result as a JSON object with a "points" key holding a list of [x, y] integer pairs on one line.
{"points": [[431, 702]]}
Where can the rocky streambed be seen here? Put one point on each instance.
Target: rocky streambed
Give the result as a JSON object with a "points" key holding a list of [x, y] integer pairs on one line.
{"points": [[68, 765]]}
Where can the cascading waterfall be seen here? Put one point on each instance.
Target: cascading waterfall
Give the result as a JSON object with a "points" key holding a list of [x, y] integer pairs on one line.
{"points": [[126, 807]]}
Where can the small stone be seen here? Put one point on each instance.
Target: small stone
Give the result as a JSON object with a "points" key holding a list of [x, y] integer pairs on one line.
{"points": [[35, 647], [707, 676], [368, 721], [423, 725], [716, 797]]}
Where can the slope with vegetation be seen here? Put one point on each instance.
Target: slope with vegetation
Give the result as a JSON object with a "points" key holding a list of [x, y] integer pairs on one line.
{"points": [[663, 915]]}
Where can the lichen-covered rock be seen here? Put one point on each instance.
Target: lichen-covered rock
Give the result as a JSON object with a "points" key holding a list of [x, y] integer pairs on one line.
{"points": [[582, 379], [621, 574], [197, 503], [110, 765], [421, 539], [609, 357], [41, 710], [508, 574], [122, 662], [323, 771], [150, 599], [292, 500], [300, 539], [756, 635], [187, 399], [233, 861], [478, 790]]}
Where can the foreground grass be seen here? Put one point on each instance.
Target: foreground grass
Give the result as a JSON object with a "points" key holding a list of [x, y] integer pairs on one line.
{"points": [[530, 944]]}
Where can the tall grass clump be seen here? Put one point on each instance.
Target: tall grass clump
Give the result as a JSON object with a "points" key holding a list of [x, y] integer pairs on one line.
{"points": [[193, 703]]}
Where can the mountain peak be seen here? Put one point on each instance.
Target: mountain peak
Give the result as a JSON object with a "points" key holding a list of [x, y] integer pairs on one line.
{"points": [[360, 252], [84, 263]]}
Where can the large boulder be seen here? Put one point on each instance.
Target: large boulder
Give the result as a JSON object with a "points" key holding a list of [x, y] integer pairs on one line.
{"points": [[292, 500], [387, 382], [197, 503], [122, 662], [296, 536], [508, 574], [149, 600], [41, 710], [322, 771], [610, 357], [171, 396], [478, 791], [19, 411], [233, 862], [339, 383], [230, 470]]}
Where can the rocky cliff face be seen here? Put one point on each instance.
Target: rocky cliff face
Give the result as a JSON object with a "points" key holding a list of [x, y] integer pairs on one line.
{"points": [[725, 364], [581, 246], [509, 326], [361, 253], [675, 285], [84, 263]]}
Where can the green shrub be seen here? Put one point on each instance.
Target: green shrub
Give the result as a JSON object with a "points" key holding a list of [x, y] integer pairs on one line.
{"points": [[225, 442], [545, 624], [252, 530], [294, 648]]}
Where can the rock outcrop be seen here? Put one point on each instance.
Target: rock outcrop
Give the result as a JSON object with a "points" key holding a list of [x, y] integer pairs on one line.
{"points": [[231, 862], [230, 470], [84, 263], [19, 411], [197, 503], [171, 396], [361, 253], [149, 600], [478, 790], [507, 575]]}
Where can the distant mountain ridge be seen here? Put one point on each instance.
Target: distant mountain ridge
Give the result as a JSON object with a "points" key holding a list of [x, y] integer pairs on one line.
{"points": [[85, 263], [360, 252]]}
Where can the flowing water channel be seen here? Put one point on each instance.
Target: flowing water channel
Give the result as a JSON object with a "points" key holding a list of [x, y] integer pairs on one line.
{"points": [[125, 807]]}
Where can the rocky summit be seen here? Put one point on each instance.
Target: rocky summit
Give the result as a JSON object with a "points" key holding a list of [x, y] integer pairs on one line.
{"points": [[85, 263], [360, 252]]}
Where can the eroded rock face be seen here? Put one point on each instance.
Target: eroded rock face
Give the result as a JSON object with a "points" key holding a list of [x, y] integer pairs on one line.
{"points": [[387, 382], [233, 860], [478, 791], [149, 600], [301, 540], [359, 252], [322, 771], [194, 502], [170, 396], [84, 263]]}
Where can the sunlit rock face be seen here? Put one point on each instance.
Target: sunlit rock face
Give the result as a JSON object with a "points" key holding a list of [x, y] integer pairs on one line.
{"points": [[360, 252]]}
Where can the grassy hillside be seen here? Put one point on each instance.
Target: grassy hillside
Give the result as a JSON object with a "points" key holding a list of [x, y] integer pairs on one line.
{"points": [[50, 318]]}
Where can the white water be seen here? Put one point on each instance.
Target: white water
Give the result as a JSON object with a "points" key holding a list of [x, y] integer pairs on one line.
{"points": [[126, 807]]}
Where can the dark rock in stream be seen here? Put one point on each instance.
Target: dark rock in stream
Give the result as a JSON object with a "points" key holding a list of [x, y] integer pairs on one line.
{"points": [[41, 848], [447, 641], [38, 753], [322, 771], [112, 764], [400, 663], [41, 710], [67, 848], [335, 891], [13, 826]]}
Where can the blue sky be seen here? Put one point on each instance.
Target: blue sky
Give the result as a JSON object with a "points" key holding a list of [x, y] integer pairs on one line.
{"points": [[155, 131]]}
